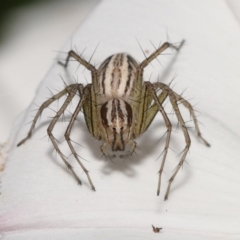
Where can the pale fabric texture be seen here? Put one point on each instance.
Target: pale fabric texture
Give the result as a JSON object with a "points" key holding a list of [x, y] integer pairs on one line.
{"points": [[41, 200]]}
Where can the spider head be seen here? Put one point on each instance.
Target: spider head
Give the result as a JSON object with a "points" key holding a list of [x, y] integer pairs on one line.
{"points": [[116, 115]]}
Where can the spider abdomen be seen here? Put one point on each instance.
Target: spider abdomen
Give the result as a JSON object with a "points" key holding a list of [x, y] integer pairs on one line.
{"points": [[116, 76]]}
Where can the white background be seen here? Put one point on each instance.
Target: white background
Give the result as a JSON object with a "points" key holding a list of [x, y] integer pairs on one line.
{"points": [[40, 198]]}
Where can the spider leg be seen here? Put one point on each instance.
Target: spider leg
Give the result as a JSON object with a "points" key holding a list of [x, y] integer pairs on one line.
{"points": [[74, 55], [174, 103], [67, 90], [51, 126], [169, 130], [174, 99], [68, 132], [158, 51], [188, 106], [192, 113]]}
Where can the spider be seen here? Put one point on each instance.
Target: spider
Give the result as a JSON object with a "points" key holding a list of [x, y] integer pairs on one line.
{"points": [[118, 107]]}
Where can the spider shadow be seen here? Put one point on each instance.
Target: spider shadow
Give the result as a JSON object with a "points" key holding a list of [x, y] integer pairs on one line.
{"points": [[125, 166]]}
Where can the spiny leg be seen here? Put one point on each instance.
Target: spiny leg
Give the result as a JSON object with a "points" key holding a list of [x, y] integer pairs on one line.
{"points": [[174, 99], [68, 132], [148, 60], [162, 48], [51, 126], [74, 55], [86, 64], [152, 111], [67, 90], [169, 129], [192, 113], [187, 105], [174, 103]]}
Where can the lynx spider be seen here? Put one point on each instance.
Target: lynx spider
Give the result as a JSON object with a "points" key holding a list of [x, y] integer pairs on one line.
{"points": [[119, 106]]}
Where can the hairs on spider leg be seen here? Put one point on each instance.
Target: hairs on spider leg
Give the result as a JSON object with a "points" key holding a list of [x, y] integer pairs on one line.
{"points": [[51, 110], [181, 94], [59, 142], [173, 78], [180, 153], [36, 108], [28, 122], [181, 165], [71, 154], [93, 53], [64, 83], [160, 155], [150, 77], [75, 79], [141, 48], [191, 120], [194, 108], [51, 93], [169, 40], [171, 149], [142, 51], [156, 50], [57, 155], [81, 55], [77, 143], [161, 137], [187, 100], [86, 80], [76, 50]]}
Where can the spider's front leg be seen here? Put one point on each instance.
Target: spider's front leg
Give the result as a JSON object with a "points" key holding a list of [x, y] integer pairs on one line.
{"points": [[85, 92], [158, 51], [80, 59]]}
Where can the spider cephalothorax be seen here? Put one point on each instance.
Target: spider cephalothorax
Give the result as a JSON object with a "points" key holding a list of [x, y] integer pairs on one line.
{"points": [[118, 106]]}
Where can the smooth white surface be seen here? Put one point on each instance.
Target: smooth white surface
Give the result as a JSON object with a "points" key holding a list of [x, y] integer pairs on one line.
{"points": [[39, 194]]}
